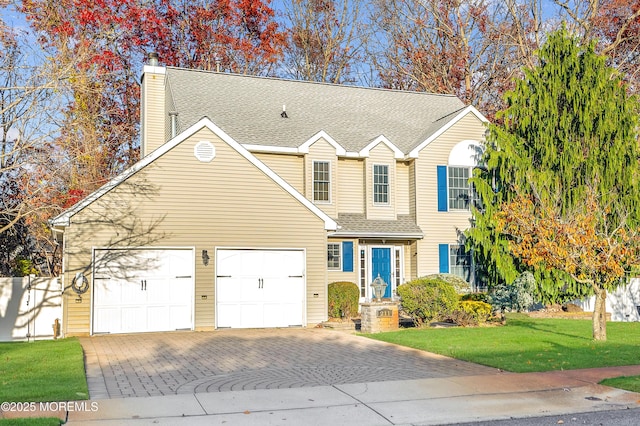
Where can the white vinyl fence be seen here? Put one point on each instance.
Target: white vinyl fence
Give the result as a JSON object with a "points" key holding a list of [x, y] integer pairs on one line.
{"points": [[623, 304], [29, 307]]}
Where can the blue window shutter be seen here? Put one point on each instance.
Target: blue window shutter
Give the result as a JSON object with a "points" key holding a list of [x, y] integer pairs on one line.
{"points": [[443, 198], [347, 256], [444, 258]]}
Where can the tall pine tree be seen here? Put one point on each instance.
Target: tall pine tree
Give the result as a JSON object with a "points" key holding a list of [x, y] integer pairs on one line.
{"points": [[569, 133]]}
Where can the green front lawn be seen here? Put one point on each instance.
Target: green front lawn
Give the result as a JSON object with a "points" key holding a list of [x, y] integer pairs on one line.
{"points": [[33, 421], [45, 370], [526, 345]]}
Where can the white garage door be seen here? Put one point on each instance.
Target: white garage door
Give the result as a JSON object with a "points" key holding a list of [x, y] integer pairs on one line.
{"points": [[260, 288], [142, 290]]}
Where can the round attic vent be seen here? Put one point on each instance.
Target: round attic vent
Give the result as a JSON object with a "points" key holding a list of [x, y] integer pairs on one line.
{"points": [[204, 151]]}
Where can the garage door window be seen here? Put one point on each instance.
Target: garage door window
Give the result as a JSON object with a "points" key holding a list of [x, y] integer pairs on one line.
{"points": [[333, 256]]}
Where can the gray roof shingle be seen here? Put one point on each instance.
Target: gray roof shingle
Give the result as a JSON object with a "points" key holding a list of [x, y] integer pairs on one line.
{"points": [[248, 109], [357, 225]]}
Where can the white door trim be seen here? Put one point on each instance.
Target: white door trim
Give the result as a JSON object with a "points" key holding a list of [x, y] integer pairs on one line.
{"points": [[368, 248]]}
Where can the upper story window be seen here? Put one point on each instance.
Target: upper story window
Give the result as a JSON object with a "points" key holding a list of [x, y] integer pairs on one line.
{"points": [[380, 184], [321, 181], [461, 192], [455, 192]]}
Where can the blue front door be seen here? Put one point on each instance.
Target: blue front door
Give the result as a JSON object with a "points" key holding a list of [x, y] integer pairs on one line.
{"points": [[381, 265]]}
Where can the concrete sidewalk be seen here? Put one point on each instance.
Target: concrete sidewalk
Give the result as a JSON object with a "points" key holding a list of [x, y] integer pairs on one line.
{"points": [[423, 401]]}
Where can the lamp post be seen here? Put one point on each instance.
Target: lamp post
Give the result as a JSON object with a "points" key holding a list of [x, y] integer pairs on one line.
{"points": [[379, 286]]}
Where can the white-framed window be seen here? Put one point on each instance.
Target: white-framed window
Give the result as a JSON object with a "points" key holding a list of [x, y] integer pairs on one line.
{"points": [[380, 184], [363, 273], [333, 256], [461, 192], [322, 181], [460, 262], [397, 265]]}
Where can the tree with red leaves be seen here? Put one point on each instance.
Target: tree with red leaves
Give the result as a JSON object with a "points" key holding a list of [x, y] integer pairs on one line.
{"points": [[617, 26], [106, 41]]}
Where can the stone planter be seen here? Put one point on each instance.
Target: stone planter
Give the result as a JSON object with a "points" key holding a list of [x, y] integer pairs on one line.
{"points": [[379, 316]]}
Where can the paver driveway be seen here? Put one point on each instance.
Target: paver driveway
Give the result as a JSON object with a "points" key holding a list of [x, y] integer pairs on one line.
{"points": [[189, 362]]}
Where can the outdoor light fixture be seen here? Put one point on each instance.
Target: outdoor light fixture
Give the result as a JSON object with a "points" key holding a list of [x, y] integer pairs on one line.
{"points": [[205, 257], [379, 286]]}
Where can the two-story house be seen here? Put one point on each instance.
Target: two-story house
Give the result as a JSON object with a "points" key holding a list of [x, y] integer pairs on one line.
{"points": [[254, 193]]}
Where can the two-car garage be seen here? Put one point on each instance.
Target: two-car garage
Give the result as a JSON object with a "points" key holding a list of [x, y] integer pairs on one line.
{"points": [[142, 290]]}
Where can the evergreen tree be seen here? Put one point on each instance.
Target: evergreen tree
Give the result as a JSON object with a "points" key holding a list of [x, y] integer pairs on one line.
{"points": [[569, 131]]}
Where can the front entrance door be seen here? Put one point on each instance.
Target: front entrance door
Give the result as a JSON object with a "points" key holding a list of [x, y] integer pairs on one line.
{"points": [[381, 265]]}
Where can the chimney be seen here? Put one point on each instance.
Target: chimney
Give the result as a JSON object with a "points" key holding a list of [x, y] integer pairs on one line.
{"points": [[153, 59], [173, 115], [153, 125]]}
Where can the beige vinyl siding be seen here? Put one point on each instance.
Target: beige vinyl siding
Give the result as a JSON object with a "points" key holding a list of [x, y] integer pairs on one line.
{"points": [[178, 201], [152, 112], [351, 186], [402, 188], [288, 167], [412, 188], [169, 106], [408, 266], [413, 261], [440, 227], [381, 154], [322, 151]]}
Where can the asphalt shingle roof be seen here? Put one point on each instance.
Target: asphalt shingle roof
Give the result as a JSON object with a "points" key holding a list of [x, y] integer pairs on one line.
{"points": [[357, 224], [249, 109]]}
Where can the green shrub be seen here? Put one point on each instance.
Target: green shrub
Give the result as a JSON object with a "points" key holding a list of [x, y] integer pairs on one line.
{"points": [[428, 299], [23, 267], [462, 318], [481, 311], [459, 284], [343, 299], [476, 297], [515, 297]]}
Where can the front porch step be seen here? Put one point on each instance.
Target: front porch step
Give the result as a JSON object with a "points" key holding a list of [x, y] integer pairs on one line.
{"points": [[350, 325]]}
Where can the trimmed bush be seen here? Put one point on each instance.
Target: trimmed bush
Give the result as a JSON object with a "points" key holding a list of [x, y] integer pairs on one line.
{"points": [[470, 313], [428, 299], [460, 285], [343, 299], [476, 297], [481, 311]]}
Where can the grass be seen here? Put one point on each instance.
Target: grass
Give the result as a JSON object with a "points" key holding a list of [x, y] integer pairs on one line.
{"points": [[33, 421], [525, 344], [631, 383], [45, 370]]}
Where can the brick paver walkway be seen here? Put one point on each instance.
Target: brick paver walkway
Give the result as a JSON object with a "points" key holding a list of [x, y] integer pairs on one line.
{"points": [[189, 362]]}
